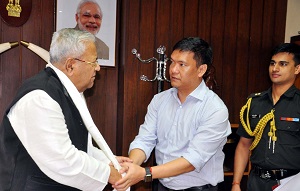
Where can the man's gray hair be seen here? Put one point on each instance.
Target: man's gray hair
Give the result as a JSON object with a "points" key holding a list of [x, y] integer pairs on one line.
{"points": [[69, 43], [83, 2]]}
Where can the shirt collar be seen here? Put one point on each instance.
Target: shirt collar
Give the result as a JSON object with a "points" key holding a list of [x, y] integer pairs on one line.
{"points": [[289, 93], [198, 93]]}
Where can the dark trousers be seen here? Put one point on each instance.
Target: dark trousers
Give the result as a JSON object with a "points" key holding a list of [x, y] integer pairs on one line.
{"points": [[255, 183], [160, 187]]}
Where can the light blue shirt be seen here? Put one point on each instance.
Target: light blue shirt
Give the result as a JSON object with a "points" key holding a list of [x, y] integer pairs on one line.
{"points": [[196, 130]]}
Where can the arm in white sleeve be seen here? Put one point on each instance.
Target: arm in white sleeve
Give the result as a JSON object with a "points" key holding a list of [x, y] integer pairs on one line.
{"points": [[40, 125]]}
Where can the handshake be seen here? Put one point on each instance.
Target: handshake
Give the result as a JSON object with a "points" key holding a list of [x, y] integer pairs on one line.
{"points": [[129, 174]]}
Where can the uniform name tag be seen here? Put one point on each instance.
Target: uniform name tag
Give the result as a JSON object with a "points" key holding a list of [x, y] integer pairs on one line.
{"points": [[253, 116]]}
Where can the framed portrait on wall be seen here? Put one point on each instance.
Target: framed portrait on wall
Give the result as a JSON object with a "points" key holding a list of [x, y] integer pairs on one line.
{"points": [[89, 18]]}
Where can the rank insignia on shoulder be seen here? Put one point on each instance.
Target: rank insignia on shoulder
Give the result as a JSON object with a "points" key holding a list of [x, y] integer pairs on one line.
{"points": [[254, 95]]}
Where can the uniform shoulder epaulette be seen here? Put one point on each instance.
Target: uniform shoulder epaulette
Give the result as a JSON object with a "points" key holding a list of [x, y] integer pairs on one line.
{"points": [[256, 95]]}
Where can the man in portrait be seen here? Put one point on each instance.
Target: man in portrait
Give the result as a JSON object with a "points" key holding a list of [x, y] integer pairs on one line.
{"points": [[89, 18]]}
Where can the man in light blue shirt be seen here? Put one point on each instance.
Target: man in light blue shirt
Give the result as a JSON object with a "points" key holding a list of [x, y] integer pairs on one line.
{"points": [[187, 126]]}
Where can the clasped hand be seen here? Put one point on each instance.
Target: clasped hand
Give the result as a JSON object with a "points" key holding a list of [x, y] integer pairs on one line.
{"points": [[134, 174]]}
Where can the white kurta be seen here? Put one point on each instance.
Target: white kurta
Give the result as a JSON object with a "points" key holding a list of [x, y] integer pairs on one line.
{"points": [[40, 125]]}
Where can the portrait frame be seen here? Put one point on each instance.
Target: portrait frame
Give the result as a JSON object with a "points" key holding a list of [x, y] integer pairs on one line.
{"points": [[65, 18]]}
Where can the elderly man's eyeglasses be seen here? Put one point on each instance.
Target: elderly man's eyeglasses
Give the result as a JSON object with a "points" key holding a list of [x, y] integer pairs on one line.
{"points": [[94, 64]]}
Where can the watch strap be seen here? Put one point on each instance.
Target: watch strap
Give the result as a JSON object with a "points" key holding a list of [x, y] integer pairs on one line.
{"points": [[148, 176]]}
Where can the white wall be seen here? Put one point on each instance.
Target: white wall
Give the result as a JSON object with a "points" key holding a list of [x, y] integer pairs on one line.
{"points": [[292, 19]]}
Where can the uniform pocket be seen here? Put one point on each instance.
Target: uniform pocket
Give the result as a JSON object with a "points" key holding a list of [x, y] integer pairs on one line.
{"points": [[288, 132]]}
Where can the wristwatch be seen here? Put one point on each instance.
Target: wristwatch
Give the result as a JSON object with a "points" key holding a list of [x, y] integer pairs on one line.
{"points": [[148, 176]]}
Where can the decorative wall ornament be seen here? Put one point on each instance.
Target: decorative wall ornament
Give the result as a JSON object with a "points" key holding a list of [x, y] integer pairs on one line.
{"points": [[44, 54], [15, 12], [13, 8], [7, 45]]}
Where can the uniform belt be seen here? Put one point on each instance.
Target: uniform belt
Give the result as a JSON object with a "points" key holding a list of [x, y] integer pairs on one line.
{"points": [[195, 188], [277, 174]]}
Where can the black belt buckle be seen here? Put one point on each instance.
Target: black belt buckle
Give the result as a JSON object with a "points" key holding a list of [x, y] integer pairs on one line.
{"points": [[265, 174], [262, 173]]}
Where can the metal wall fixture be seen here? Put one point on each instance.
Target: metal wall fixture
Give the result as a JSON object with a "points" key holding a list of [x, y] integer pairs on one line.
{"points": [[161, 67]]}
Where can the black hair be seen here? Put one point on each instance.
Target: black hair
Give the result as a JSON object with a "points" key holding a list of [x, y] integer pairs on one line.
{"points": [[290, 48], [202, 51]]}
